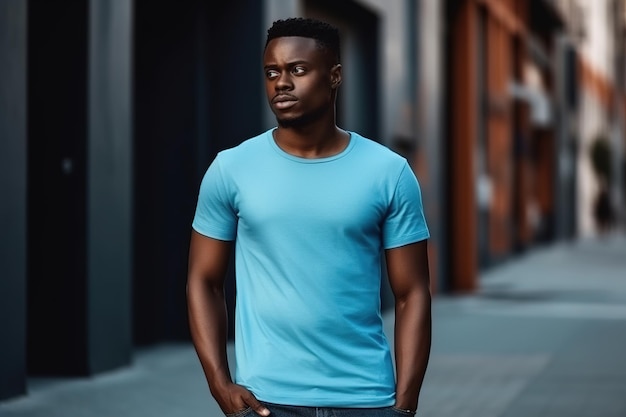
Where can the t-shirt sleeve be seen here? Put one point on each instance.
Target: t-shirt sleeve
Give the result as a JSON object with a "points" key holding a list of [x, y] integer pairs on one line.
{"points": [[215, 215], [405, 222]]}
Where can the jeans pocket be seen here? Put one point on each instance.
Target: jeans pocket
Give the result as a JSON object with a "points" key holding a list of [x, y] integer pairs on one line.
{"points": [[242, 413], [400, 412]]}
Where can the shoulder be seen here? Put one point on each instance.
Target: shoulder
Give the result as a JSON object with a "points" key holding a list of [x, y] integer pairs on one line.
{"points": [[377, 154]]}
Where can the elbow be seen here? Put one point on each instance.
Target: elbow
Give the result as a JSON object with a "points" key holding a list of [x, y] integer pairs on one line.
{"points": [[418, 296]]}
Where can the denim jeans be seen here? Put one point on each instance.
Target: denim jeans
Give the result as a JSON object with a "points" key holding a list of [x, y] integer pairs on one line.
{"points": [[296, 411]]}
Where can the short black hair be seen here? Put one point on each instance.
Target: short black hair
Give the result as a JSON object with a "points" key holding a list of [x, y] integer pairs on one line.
{"points": [[325, 34]]}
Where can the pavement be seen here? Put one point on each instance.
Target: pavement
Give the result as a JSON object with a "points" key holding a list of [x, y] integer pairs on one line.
{"points": [[543, 336]]}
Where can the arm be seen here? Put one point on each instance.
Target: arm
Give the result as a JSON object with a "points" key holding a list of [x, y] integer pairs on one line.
{"points": [[409, 277], [208, 263]]}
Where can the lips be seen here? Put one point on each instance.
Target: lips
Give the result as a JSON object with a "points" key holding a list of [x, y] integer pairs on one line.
{"points": [[283, 101]]}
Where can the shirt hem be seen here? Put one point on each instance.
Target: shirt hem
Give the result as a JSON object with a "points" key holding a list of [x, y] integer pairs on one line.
{"points": [[213, 234], [408, 240], [328, 402]]}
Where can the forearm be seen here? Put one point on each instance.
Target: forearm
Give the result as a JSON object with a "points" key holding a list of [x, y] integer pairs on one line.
{"points": [[208, 326], [412, 345]]}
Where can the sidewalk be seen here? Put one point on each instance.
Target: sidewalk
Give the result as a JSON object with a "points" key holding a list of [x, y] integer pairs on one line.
{"points": [[545, 336]]}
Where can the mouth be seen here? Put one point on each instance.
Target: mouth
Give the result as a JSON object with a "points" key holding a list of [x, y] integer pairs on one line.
{"points": [[284, 101]]}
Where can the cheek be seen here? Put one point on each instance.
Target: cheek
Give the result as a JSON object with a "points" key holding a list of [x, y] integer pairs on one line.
{"points": [[319, 92]]}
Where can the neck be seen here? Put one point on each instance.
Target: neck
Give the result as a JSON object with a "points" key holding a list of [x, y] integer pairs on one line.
{"points": [[312, 141]]}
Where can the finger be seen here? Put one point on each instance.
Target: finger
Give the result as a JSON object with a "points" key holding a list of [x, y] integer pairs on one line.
{"points": [[257, 406]]}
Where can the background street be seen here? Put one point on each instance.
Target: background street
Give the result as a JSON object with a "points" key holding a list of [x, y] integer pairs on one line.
{"points": [[543, 336], [511, 114]]}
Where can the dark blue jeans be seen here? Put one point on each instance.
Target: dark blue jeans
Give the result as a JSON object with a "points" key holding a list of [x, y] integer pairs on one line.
{"points": [[294, 411]]}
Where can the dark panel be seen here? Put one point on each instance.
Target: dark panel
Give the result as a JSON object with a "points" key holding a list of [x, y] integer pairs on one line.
{"points": [[13, 37], [193, 97], [57, 57], [164, 133], [571, 78], [164, 169]]}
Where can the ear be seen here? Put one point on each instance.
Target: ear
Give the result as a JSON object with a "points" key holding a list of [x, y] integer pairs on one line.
{"points": [[335, 76]]}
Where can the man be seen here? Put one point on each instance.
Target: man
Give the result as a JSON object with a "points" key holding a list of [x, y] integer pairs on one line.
{"points": [[310, 208]]}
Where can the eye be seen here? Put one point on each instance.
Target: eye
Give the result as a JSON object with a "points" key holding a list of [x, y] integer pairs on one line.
{"points": [[271, 74], [298, 70]]}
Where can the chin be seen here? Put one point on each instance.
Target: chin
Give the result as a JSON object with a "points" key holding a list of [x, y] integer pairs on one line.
{"points": [[292, 122], [301, 120]]}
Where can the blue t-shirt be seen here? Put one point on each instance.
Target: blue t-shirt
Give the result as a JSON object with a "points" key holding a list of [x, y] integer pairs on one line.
{"points": [[309, 234]]}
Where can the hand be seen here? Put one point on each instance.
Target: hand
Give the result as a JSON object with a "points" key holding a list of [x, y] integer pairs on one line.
{"points": [[233, 398], [406, 404], [408, 407]]}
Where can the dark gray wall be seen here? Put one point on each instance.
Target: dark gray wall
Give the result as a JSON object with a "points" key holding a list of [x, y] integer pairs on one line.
{"points": [[13, 35], [79, 192], [109, 187]]}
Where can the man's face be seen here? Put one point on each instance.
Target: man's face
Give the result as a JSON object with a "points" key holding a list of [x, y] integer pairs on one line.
{"points": [[299, 80]]}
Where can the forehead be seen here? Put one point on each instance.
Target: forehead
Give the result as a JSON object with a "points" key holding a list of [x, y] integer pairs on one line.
{"points": [[292, 49]]}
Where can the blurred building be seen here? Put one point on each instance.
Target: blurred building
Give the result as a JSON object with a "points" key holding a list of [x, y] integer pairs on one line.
{"points": [[530, 84], [111, 111], [503, 130], [600, 38]]}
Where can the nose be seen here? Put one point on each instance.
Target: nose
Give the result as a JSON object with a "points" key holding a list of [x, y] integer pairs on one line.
{"points": [[283, 82]]}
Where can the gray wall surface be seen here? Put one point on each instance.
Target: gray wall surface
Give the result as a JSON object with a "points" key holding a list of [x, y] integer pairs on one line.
{"points": [[109, 190], [13, 200]]}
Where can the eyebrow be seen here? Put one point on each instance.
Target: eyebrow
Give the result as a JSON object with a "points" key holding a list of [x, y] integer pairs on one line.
{"points": [[289, 64]]}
